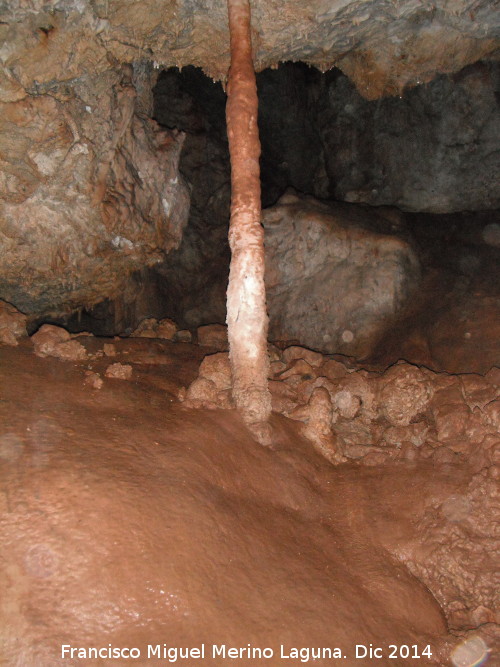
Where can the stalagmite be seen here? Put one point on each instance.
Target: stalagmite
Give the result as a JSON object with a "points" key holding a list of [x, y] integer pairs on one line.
{"points": [[246, 297]]}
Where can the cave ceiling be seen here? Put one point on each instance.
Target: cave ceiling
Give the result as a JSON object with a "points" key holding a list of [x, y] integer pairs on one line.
{"points": [[382, 45], [90, 187]]}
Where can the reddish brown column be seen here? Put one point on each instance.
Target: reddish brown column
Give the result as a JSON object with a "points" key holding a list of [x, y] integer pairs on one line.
{"points": [[247, 319]]}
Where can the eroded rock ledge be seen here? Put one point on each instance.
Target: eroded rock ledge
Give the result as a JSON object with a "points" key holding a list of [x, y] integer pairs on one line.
{"points": [[381, 45]]}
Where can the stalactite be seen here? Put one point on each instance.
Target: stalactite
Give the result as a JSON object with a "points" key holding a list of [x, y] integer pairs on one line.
{"points": [[246, 296]]}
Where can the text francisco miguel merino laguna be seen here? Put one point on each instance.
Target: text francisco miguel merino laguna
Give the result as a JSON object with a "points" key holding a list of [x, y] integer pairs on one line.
{"points": [[176, 653], [224, 652]]}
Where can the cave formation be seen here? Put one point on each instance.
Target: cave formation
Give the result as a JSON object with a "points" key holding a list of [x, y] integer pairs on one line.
{"points": [[247, 320], [137, 512]]}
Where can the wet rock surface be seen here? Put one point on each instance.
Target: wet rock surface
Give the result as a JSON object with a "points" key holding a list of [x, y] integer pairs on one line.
{"points": [[185, 500], [407, 414]]}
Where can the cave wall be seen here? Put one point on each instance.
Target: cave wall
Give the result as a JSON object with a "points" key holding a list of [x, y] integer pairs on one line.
{"points": [[194, 276], [90, 192], [433, 149]]}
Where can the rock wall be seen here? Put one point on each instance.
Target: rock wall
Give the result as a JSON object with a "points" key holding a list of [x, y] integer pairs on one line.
{"points": [[89, 192], [435, 148]]}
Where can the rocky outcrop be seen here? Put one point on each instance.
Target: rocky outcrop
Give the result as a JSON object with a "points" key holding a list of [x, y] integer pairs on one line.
{"points": [[89, 192], [335, 281], [382, 46]]}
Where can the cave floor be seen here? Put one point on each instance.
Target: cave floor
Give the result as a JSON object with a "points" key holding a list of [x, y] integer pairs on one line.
{"points": [[127, 520]]}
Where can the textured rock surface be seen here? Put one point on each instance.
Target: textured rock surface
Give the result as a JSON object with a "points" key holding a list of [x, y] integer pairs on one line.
{"points": [[193, 279], [332, 282], [12, 324], [405, 412], [51, 341], [370, 419], [381, 45], [89, 192], [434, 148], [119, 371], [237, 544]]}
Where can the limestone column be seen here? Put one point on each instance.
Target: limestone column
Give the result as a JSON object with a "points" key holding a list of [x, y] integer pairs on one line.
{"points": [[247, 319]]}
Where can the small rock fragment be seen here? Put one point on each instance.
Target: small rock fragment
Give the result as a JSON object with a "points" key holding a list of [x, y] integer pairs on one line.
{"points": [[183, 336], [119, 371], [109, 350], [357, 397], [166, 329], [146, 329], [347, 404], [93, 380]]}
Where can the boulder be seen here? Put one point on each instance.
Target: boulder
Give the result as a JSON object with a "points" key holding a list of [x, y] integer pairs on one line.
{"points": [[334, 281], [52, 341]]}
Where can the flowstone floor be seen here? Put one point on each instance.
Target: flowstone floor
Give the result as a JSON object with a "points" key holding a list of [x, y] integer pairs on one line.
{"points": [[131, 523]]}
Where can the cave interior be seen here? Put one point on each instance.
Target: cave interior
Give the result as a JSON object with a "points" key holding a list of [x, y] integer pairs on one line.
{"points": [[137, 513]]}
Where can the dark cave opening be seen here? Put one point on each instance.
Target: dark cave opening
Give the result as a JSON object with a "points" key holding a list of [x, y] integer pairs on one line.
{"points": [[422, 168]]}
